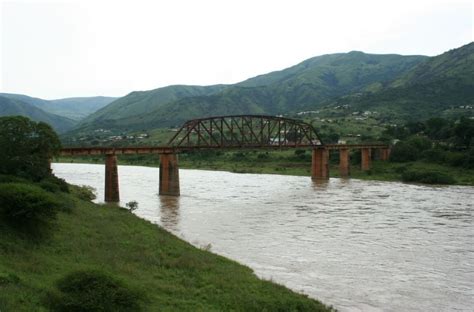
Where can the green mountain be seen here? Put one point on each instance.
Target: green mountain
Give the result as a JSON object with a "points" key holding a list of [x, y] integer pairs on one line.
{"points": [[72, 108], [456, 64], [130, 111], [439, 86], [304, 86], [11, 107]]}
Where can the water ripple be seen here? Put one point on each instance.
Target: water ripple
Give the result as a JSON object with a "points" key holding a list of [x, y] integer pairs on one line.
{"points": [[358, 245]]}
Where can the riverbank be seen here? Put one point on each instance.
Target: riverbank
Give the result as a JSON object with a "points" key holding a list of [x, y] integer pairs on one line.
{"points": [[289, 163], [171, 274]]}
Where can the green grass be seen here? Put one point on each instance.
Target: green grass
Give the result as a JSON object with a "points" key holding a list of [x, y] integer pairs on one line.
{"points": [[172, 274]]}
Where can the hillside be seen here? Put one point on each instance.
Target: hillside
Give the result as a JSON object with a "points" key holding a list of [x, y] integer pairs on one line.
{"points": [[72, 108], [440, 86], [170, 274], [456, 64], [123, 111], [10, 107], [300, 87]]}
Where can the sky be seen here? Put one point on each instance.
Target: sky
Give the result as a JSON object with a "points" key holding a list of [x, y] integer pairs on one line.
{"points": [[69, 48]]}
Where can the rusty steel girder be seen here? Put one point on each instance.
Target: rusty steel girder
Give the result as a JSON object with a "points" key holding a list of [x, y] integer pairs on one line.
{"points": [[245, 131]]}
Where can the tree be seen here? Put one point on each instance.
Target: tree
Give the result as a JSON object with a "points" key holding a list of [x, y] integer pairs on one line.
{"points": [[437, 128], [410, 149], [27, 147], [464, 131]]}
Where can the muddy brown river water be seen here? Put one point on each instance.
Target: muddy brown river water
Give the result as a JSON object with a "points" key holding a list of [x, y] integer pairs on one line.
{"points": [[357, 245]]}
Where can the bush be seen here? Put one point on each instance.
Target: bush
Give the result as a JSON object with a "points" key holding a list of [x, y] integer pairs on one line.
{"points": [[410, 150], [403, 152], [61, 183], [434, 155], [469, 159], [132, 206], [27, 207], [85, 192], [54, 185], [455, 159], [93, 291], [11, 179], [263, 156], [428, 177]]}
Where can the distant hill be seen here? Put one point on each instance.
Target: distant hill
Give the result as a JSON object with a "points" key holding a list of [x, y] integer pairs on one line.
{"points": [[72, 108], [140, 103], [303, 86], [456, 64], [432, 88], [11, 107]]}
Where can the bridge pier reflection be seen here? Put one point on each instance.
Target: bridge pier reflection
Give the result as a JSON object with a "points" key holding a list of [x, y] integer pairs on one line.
{"points": [[111, 179], [169, 175], [169, 212]]}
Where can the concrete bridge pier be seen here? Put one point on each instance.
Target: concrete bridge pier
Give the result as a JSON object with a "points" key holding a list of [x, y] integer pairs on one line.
{"points": [[169, 174], [111, 179], [320, 164], [366, 159], [344, 164]]}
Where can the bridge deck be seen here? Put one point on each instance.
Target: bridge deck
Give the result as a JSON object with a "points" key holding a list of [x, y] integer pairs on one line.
{"points": [[85, 151]]}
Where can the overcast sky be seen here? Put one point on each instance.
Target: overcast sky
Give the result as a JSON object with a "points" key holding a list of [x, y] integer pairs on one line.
{"points": [[57, 49]]}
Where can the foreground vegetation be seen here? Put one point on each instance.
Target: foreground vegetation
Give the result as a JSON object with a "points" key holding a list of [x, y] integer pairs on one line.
{"points": [[170, 274], [61, 252]]}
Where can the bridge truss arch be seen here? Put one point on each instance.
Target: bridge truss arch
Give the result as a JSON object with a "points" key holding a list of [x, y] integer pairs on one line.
{"points": [[245, 131]]}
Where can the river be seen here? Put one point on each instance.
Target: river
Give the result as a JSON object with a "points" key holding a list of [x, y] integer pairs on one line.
{"points": [[357, 245]]}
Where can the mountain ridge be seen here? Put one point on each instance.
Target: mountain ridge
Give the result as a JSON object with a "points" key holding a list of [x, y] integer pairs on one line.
{"points": [[75, 108], [301, 86], [11, 107]]}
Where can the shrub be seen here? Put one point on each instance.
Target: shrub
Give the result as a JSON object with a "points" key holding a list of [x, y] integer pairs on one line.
{"points": [[93, 291], [85, 192], [410, 150], [428, 177], [403, 152], [469, 159], [11, 179], [263, 156], [239, 156], [132, 206], [434, 155], [61, 183], [54, 185], [27, 207], [455, 159], [49, 186]]}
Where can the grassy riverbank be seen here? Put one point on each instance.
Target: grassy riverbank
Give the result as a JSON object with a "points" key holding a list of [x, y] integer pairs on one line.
{"points": [[171, 274], [289, 162]]}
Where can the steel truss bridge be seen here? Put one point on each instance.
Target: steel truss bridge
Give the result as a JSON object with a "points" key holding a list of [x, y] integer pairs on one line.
{"points": [[231, 132]]}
